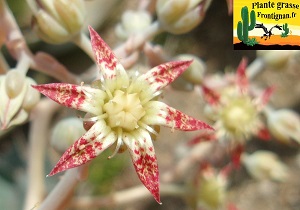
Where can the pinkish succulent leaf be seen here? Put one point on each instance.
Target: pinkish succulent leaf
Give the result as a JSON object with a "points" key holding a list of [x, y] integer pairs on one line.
{"points": [[73, 96], [162, 75], [236, 155], [202, 137], [232, 206], [144, 160], [230, 6], [211, 96], [86, 148], [264, 134], [241, 77], [105, 58], [265, 96]]}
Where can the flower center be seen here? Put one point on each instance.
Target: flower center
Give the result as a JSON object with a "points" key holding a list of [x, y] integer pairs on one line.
{"points": [[124, 110], [239, 115]]}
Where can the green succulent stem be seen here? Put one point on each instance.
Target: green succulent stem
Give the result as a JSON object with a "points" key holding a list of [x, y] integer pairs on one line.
{"points": [[243, 26]]}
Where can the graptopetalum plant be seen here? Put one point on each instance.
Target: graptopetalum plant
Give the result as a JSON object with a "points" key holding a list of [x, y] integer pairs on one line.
{"points": [[122, 107], [122, 110]]}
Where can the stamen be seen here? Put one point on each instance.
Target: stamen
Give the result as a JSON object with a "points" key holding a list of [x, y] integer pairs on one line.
{"points": [[106, 90], [148, 128], [96, 118], [88, 94], [146, 99], [119, 143]]}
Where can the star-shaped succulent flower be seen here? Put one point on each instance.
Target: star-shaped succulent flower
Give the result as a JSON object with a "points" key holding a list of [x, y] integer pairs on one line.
{"points": [[236, 107], [124, 110]]}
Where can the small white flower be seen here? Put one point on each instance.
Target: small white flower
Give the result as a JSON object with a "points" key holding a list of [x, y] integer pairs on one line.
{"points": [[235, 111]]}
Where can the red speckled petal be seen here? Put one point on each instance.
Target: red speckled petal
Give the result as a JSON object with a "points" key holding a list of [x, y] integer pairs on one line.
{"points": [[105, 58], [241, 77], [162, 75], [211, 96], [162, 114], [144, 160], [86, 148], [78, 97]]}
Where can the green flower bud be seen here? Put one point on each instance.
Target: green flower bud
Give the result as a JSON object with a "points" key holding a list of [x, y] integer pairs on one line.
{"points": [[65, 133], [49, 30], [72, 14], [58, 21]]}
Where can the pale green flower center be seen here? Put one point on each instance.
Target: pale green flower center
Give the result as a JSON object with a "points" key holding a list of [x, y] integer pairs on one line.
{"points": [[239, 115], [124, 110], [211, 192]]}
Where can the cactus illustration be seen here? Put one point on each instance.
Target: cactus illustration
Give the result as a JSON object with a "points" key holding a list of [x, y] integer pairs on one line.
{"points": [[243, 27], [286, 30]]}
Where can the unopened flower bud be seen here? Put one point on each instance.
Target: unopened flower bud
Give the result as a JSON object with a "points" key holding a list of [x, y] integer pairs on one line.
{"points": [[276, 59], [195, 72], [284, 125], [72, 14], [133, 22], [178, 16], [265, 165], [17, 99], [32, 96], [65, 133], [57, 21], [14, 82], [49, 30], [182, 84]]}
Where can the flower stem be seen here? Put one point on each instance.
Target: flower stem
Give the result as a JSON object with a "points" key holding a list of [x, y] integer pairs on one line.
{"points": [[197, 154], [82, 41], [3, 64], [63, 191], [42, 115], [126, 197], [255, 68], [24, 63], [135, 42]]}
